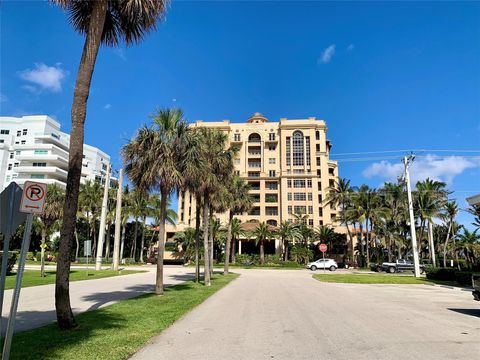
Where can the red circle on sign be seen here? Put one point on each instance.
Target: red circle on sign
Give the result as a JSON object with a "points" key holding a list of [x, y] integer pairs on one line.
{"points": [[34, 193], [322, 247]]}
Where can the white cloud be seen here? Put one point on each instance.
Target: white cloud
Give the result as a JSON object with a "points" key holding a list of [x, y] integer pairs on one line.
{"points": [[107, 106], [350, 47], [327, 54], [120, 53], [431, 166], [44, 77]]}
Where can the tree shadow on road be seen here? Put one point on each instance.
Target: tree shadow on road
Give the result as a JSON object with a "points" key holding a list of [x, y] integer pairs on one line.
{"points": [[471, 312]]}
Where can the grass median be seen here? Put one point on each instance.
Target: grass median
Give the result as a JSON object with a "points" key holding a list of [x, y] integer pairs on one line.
{"points": [[33, 278], [377, 279], [116, 331]]}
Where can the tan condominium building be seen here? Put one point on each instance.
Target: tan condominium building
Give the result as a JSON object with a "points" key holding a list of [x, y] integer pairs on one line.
{"points": [[287, 166]]}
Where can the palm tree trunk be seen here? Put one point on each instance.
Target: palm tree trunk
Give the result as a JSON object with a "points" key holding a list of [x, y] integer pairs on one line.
{"points": [[262, 252], [431, 244], [197, 238], [107, 241], [210, 244], [234, 250], [206, 272], [367, 241], [133, 250], [227, 245], [446, 243], [63, 308], [94, 250], [122, 244], [285, 249], [143, 240], [161, 243], [77, 243], [42, 254]]}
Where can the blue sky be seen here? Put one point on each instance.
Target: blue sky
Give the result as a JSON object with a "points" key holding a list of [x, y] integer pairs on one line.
{"points": [[385, 76]]}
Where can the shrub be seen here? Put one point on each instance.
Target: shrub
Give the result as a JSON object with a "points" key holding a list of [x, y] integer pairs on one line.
{"points": [[273, 260], [152, 260], [246, 259], [12, 259], [464, 277], [301, 254], [444, 274]]}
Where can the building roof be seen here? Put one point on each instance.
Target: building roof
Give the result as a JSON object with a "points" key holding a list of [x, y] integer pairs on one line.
{"points": [[257, 117]]}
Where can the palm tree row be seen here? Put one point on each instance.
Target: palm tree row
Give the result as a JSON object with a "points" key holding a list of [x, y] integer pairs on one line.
{"points": [[378, 218]]}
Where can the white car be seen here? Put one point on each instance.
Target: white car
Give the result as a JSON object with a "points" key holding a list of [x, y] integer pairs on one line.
{"points": [[328, 264]]}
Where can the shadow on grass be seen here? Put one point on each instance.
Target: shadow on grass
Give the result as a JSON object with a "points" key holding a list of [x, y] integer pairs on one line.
{"points": [[49, 341], [470, 312]]}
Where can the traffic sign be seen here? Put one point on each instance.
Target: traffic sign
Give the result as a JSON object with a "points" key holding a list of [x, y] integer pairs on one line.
{"points": [[322, 247], [33, 197]]}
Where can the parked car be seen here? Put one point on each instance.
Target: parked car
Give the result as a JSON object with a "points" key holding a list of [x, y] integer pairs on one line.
{"points": [[328, 264], [476, 286], [400, 266]]}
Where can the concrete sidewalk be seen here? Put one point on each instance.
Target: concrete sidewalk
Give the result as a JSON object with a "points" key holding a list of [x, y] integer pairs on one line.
{"points": [[289, 315], [37, 303]]}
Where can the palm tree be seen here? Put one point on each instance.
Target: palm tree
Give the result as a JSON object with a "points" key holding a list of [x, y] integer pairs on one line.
{"points": [[52, 213], [154, 160], [186, 239], [261, 234], [91, 204], [237, 232], [448, 215], [469, 243], [139, 210], [287, 232], [107, 22], [325, 234], [430, 197], [239, 201], [341, 195], [217, 169]]}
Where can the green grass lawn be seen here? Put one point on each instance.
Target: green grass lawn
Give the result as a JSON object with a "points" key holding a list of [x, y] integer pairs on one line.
{"points": [[116, 331], [32, 277], [376, 279]]}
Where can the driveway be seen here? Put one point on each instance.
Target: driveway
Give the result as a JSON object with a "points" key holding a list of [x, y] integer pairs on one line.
{"points": [[37, 304], [288, 315]]}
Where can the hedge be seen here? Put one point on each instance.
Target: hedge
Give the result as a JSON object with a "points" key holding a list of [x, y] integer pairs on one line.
{"points": [[449, 274]]}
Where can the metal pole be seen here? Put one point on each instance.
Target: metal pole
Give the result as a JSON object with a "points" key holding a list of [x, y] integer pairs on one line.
{"points": [[323, 257], [412, 219], [18, 286], [103, 217], [118, 223]]}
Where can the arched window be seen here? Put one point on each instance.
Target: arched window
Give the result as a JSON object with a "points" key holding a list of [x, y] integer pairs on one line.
{"points": [[272, 222], [297, 149], [254, 138]]}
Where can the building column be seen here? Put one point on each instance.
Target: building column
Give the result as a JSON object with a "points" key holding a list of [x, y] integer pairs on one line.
{"points": [[239, 246]]}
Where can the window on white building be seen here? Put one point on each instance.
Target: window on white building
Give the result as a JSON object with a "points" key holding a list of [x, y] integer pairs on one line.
{"points": [[25, 131], [4, 132], [9, 167], [19, 132], [11, 155]]}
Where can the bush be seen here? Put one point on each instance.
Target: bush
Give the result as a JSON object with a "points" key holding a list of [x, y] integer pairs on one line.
{"points": [[444, 274], [464, 277], [152, 260], [12, 259], [273, 260], [301, 254], [246, 259]]}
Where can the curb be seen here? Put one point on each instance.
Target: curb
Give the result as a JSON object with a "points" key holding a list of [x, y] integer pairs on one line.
{"points": [[458, 288]]}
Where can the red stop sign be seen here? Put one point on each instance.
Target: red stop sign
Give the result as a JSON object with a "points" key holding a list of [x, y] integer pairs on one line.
{"points": [[322, 247]]}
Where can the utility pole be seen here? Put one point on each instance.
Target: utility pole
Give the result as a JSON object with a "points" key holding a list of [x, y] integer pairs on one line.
{"points": [[413, 233], [103, 217], [118, 222]]}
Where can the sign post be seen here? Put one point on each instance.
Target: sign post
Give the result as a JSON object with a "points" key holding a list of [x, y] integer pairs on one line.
{"points": [[33, 202], [10, 218], [323, 249], [87, 250]]}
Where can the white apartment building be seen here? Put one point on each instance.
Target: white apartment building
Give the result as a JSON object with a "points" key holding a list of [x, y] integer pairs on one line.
{"points": [[34, 148]]}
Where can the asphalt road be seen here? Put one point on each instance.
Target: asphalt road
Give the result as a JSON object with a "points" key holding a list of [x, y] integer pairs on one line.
{"points": [[37, 304], [288, 315]]}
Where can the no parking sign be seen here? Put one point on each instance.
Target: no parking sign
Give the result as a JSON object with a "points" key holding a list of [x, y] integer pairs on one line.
{"points": [[33, 197]]}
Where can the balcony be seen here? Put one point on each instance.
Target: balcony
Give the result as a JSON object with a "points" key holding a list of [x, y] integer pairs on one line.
{"points": [[55, 160], [253, 174], [271, 211], [271, 198], [271, 185], [254, 164], [254, 153], [255, 211], [51, 171], [254, 185], [53, 139]]}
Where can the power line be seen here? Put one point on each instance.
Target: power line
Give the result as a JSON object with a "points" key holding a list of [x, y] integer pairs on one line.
{"points": [[404, 151]]}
